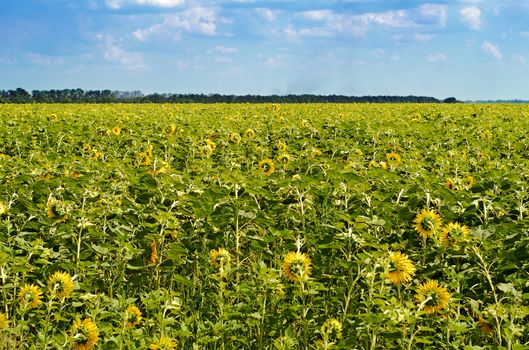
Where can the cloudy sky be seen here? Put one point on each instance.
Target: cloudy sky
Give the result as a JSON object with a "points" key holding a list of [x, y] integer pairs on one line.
{"points": [[471, 49]]}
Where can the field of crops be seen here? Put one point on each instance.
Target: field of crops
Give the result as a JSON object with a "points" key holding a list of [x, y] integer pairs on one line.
{"points": [[264, 226]]}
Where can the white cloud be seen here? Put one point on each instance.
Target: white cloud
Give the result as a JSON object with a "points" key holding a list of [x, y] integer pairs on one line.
{"points": [[114, 52], [279, 61], [434, 11], [423, 37], [519, 59], [318, 15], [44, 60], [492, 50], [437, 57], [199, 20], [472, 17], [117, 4], [223, 50], [266, 13], [394, 58]]}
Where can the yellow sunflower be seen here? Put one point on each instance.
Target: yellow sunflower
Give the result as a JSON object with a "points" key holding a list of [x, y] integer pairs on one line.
{"points": [[449, 184], [60, 284], [297, 267], [235, 137], [206, 151], [332, 329], [427, 222], [267, 167], [4, 323], [434, 296], [219, 257], [153, 259], [30, 296], [165, 343], [85, 334], [249, 134], [468, 182], [393, 160], [402, 268], [4, 208], [116, 130], [284, 159], [453, 233], [211, 144], [133, 316]]}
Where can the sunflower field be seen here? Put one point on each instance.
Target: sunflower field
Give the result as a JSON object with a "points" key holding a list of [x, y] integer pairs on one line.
{"points": [[224, 226]]}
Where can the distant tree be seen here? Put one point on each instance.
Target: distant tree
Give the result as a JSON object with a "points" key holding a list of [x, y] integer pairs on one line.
{"points": [[450, 100]]}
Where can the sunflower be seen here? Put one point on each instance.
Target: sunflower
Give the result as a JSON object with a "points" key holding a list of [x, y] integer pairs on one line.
{"points": [[434, 296], [332, 328], [453, 233], [219, 257], [449, 184], [4, 208], [284, 159], [393, 160], [116, 130], [249, 134], [85, 334], [282, 146], [211, 144], [60, 284], [4, 323], [402, 268], [153, 259], [30, 296], [468, 182], [165, 343], [133, 316], [427, 222], [235, 137], [206, 151], [297, 267], [172, 130], [267, 167]]}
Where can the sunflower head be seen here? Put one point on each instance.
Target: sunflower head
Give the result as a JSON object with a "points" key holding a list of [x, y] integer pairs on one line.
{"points": [[220, 257], [393, 160], [133, 316], [267, 167], [401, 268], [284, 159], [4, 208], [249, 134], [432, 296], [206, 151], [332, 329], [234, 137], [30, 296], [4, 323], [60, 284], [297, 267], [116, 130], [453, 234], [85, 334], [427, 223], [449, 184], [165, 343], [468, 182]]}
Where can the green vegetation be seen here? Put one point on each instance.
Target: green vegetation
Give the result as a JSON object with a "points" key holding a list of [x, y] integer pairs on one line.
{"points": [[316, 226]]}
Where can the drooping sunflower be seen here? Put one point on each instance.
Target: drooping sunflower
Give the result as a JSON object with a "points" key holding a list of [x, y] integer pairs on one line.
{"points": [[453, 233], [332, 329], [435, 296], [393, 159], [165, 343], [297, 267], [133, 316], [85, 334], [153, 259], [30, 296], [4, 323], [235, 137], [267, 167], [401, 270], [284, 159], [219, 257], [427, 222], [249, 134], [60, 284]]}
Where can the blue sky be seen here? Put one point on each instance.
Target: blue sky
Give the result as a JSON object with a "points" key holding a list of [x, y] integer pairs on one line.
{"points": [[471, 49]]}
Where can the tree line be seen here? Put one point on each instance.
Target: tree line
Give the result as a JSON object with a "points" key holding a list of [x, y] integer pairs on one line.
{"points": [[20, 95]]}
